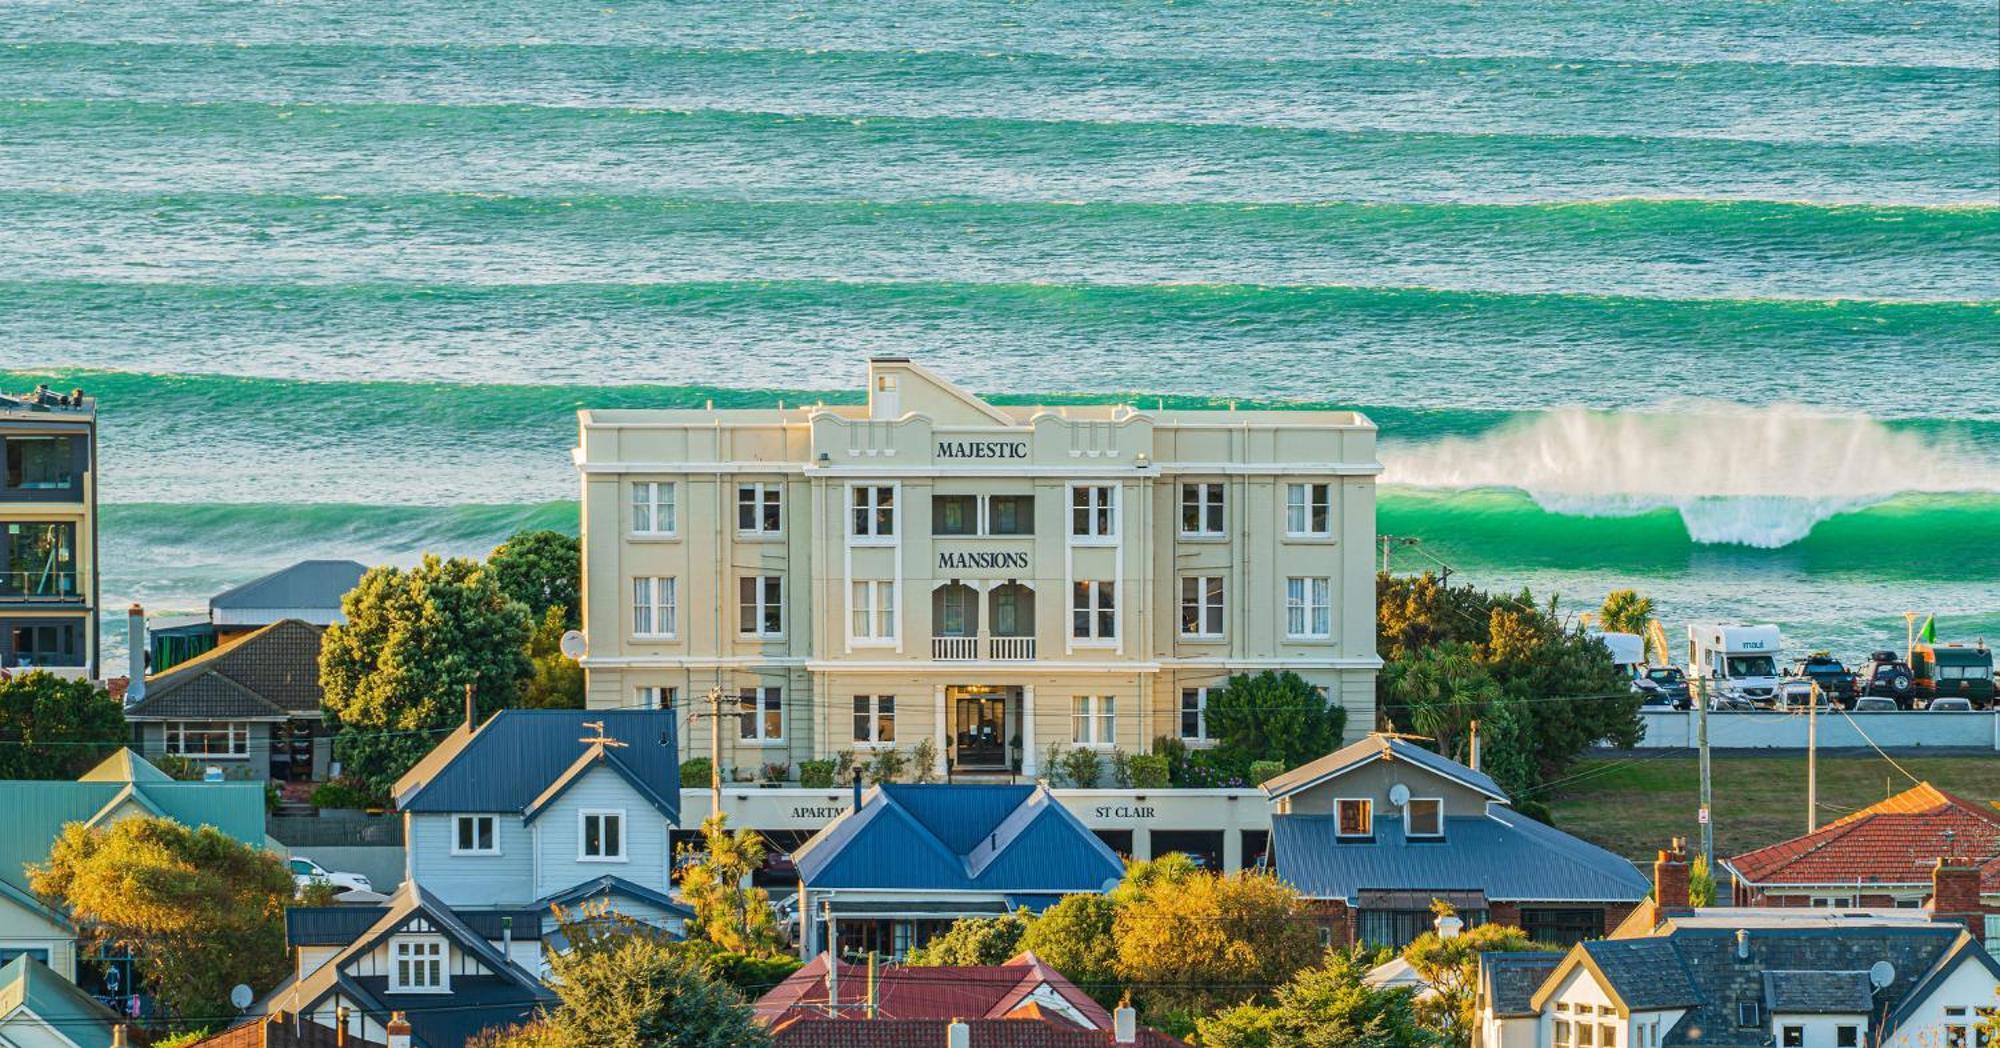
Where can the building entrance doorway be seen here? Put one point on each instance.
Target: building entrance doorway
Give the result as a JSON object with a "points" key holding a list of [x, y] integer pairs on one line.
{"points": [[983, 728]]}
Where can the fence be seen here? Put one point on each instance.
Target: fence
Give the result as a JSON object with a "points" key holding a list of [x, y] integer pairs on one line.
{"points": [[1764, 730]]}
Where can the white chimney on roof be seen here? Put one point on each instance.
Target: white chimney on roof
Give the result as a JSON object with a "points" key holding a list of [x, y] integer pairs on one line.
{"points": [[1125, 1025], [958, 1035]]}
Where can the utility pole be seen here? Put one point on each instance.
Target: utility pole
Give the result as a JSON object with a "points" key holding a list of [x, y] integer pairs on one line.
{"points": [[832, 960], [1812, 760], [1707, 813]]}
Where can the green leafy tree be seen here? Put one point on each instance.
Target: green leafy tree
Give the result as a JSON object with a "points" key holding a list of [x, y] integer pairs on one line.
{"points": [[1451, 967], [1075, 938], [1440, 691], [555, 681], [627, 987], [55, 728], [1625, 611], [395, 672], [198, 910], [1212, 942], [974, 941], [1324, 1005], [1272, 716], [1143, 877], [543, 570], [726, 913]]}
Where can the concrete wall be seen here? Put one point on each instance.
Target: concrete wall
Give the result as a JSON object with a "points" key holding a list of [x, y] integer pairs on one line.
{"points": [[383, 866], [1763, 730]]}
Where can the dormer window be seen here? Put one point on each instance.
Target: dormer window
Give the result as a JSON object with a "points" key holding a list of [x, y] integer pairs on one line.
{"points": [[416, 965], [1355, 817], [1423, 817]]}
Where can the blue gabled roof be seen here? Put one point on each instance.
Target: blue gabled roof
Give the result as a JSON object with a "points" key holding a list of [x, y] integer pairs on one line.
{"points": [[609, 885], [518, 756], [1503, 853], [1381, 748], [1003, 839]]}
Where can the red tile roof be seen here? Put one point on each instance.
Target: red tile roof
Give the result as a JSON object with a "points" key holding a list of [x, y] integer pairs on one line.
{"points": [[930, 1033], [1897, 841], [988, 992]]}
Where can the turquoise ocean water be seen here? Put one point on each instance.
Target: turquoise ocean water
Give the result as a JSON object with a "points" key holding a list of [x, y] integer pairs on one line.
{"points": [[1698, 297]]}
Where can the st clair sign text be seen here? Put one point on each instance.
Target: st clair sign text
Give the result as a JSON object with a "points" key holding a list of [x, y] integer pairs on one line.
{"points": [[982, 449]]}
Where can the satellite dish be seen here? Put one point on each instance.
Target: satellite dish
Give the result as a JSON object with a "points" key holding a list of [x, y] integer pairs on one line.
{"points": [[1881, 974], [1399, 795], [573, 645], [240, 996]]}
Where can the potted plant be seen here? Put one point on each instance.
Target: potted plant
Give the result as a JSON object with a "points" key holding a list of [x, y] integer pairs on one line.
{"points": [[775, 774]]}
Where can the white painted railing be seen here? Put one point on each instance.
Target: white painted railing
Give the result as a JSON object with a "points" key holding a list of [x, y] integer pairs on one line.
{"points": [[954, 649], [1014, 648]]}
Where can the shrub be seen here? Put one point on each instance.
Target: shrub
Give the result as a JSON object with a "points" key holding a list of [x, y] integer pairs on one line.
{"points": [[697, 772], [1150, 772], [273, 796], [1052, 765], [816, 775], [844, 767], [777, 772], [923, 761], [1083, 768], [343, 793], [888, 766], [1176, 753], [1206, 770], [1121, 769], [181, 768], [1263, 771]]}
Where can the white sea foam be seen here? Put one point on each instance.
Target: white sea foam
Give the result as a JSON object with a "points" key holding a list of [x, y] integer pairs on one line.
{"points": [[1737, 475]]}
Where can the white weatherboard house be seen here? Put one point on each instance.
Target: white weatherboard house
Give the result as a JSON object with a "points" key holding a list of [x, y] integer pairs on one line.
{"points": [[548, 806]]}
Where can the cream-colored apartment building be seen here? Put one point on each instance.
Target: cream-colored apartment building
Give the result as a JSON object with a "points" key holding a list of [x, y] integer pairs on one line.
{"points": [[996, 579]]}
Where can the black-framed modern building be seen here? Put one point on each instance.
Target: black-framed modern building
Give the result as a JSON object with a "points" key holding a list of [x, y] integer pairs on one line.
{"points": [[48, 533]]}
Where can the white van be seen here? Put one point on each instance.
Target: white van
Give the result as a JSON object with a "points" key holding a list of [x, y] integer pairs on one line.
{"points": [[1734, 662], [1628, 650]]}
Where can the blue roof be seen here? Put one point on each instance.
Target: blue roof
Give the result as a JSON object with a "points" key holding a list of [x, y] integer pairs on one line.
{"points": [[519, 756], [1504, 854], [1006, 839], [1387, 748], [610, 885]]}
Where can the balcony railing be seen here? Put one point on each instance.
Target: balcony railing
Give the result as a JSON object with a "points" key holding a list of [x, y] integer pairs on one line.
{"points": [[954, 649], [38, 585], [1013, 648]]}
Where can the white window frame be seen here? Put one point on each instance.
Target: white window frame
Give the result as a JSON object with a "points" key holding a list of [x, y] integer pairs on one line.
{"points": [[583, 817], [1368, 817], [874, 708], [1094, 721], [1300, 502], [1196, 495], [1409, 824], [657, 697], [656, 602], [762, 602], [865, 523], [871, 612], [1100, 510], [1094, 598], [1200, 696], [1315, 620], [656, 501], [753, 706], [1210, 605], [408, 952], [492, 834], [765, 496], [238, 733]]}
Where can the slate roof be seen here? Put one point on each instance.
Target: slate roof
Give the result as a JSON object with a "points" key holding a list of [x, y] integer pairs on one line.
{"points": [[307, 584], [269, 673], [979, 991], [27, 982], [37, 810], [923, 1033], [1966, 950], [1818, 993], [1508, 981], [983, 838], [514, 761], [1381, 748], [507, 995], [1896, 841], [1503, 853], [1647, 974]]}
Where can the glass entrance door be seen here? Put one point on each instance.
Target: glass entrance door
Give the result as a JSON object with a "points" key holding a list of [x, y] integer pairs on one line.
{"points": [[979, 728]]}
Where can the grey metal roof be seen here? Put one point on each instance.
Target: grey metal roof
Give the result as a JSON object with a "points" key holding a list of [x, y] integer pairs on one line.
{"points": [[1509, 980], [1508, 856], [1818, 993], [610, 885], [1381, 747], [1647, 974], [517, 755], [307, 584], [270, 673]]}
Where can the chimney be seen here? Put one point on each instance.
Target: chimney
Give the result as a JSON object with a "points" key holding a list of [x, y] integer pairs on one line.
{"points": [[1124, 1025], [1742, 944], [1955, 892], [958, 1035], [857, 789], [135, 643], [471, 709], [118, 1037], [340, 1027], [1670, 877], [1475, 746], [507, 937], [399, 1030]]}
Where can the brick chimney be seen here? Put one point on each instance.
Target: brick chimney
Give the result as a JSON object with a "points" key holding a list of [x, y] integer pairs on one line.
{"points": [[399, 1031], [1955, 892], [1670, 877]]}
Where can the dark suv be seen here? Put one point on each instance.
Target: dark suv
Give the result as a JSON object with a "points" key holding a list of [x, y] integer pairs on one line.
{"points": [[1672, 685], [1889, 676], [1834, 680]]}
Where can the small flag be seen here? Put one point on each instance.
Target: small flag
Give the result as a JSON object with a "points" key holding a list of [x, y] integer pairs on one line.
{"points": [[1929, 633]]}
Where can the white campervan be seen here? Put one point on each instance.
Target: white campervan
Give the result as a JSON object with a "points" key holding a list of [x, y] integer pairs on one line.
{"points": [[1628, 651], [1734, 661]]}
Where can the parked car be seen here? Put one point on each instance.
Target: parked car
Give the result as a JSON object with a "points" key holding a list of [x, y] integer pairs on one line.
{"points": [[1671, 682], [1730, 702], [1834, 679], [306, 872], [1888, 675], [1964, 670], [1875, 704], [1951, 704], [1796, 694]]}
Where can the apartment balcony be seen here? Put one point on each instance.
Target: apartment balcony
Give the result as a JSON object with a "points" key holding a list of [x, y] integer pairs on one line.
{"points": [[1010, 649], [39, 586], [954, 649], [967, 649]]}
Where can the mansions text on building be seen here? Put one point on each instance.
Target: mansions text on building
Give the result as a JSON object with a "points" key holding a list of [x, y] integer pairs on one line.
{"points": [[996, 579]]}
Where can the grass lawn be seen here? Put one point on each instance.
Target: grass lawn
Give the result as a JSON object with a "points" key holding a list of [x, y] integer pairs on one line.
{"points": [[1634, 803]]}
